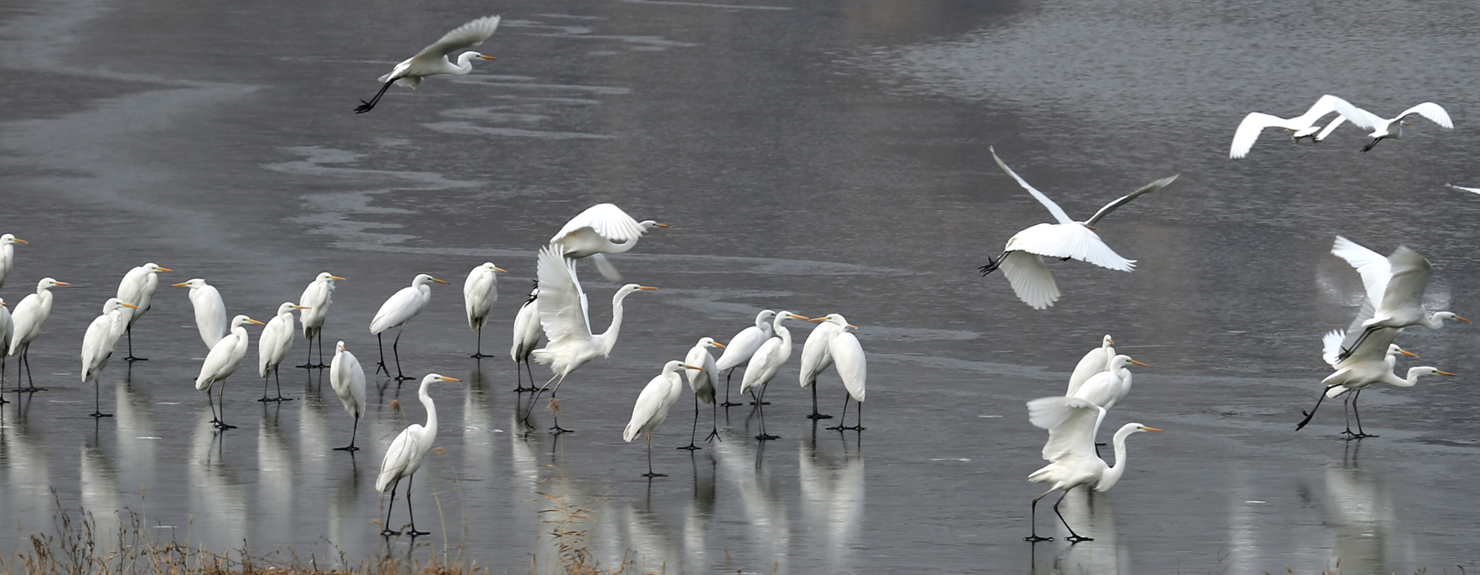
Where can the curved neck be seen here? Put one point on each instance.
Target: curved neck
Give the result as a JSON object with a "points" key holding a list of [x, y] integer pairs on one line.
{"points": [[609, 337], [1396, 381], [1112, 475], [465, 64], [1429, 321], [426, 401]]}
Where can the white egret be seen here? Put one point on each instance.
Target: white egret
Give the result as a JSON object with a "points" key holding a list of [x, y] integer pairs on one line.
{"points": [[1371, 361], [852, 367], [7, 330], [395, 312], [1395, 286], [432, 60], [1303, 125], [98, 344], [7, 255], [1095, 361], [348, 380], [315, 301], [1072, 424], [602, 229], [1022, 259], [1390, 379], [766, 363], [815, 355], [210, 310], [30, 316], [742, 347], [406, 454], [1454, 187], [221, 362], [567, 323], [1107, 388], [527, 334], [653, 404], [137, 290], [701, 382], [1392, 127], [272, 347], [479, 293]]}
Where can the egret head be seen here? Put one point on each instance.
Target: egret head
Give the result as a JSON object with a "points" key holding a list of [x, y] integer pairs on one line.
{"points": [[649, 224], [1443, 315], [424, 278], [192, 283], [114, 303], [1140, 428], [8, 239], [1427, 370], [242, 320], [48, 283], [327, 277], [493, 268], [835, 319], [480, 57], [785, 315], [709, 342], [1393, 349], [431, 377], [629, 288], [288, 307], [152, 267], [764, 317], [339, 347], [1108, 341]]}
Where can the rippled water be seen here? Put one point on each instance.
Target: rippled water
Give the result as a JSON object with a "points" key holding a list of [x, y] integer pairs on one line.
{"points": [[820, 158]]}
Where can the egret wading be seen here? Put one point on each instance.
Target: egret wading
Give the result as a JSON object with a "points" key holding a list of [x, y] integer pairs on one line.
{"points": [[348, 380], [527, 332], [137, 289], [479, 293], [272, 348], [395, 312], [766, 363], [701, 382], [29, 317], [406, 454], [742, 347], [1072, 424], [653, 404], [220, 363], [98, 344], [315, 301]]}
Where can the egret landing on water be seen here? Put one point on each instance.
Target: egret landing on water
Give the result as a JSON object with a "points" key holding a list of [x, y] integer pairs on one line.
{"points": [[406, 454], [432, 60], [1072, 424]]}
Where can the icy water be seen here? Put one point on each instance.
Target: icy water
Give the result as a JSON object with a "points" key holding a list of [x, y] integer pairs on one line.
{"points": [[824, 157]]}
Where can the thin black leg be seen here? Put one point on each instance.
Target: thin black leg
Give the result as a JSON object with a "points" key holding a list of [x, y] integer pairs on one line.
{"points": [[650, 458], [387, 531], [98, 398], [215, 421], [308, 361], [351, 447], [694, 430], [816, 414], [842, 418], [728, 375], [397, 353], [1347, 351], [26, 363], [1073, 537], [221, 398], [1312, 412], [714, 418], [411, 510], [1358, 415], [379, 367], [479, 354], [759, 403], [367, 106], [1369, 146], [278, 378], [264, 391], [4, 401], [1033, 520], [130, 331]]}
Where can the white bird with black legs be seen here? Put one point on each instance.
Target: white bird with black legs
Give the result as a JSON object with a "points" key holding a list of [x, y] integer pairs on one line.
{"points": [[29, 317], [742, 347], [653, 404], [527, 333], [1022, 259], [7, 255], [701, 382], [766, 363], [221, 362], [7, 331], [1395, 286], [210, 310], [1303, 125], [348, 380], [406, 454], [315, 301], [602, 229], [137, 289], [566, 320], [432, 60], [815, 355], [98, 343], [852, 367], [1371, 361], [395, 312], [1383, 129], [272, 348], [1072, 424], [1095, 361], [479, 293]]}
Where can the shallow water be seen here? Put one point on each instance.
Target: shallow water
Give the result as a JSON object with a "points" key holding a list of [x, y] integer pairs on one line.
{"points": [[816, 159]]}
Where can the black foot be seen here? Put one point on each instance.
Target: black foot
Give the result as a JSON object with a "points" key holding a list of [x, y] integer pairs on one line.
{"points": [[762, 403], [767, 437], [265, 399], [100, 414], [414, 533], [32, 389], [1350, 436], [223, 426], [651, 474], [1077, 538], [557, 430], [730, 404], [987, 269], [524, 389], [480, 355], [712, 436], [852, 428], [348, 448], [691, 447], [132, 358], [380, 368], [281, 398], [1036, 538], [404, 377], [360, 109], [388, 532], [816, 415], [4, 401]]}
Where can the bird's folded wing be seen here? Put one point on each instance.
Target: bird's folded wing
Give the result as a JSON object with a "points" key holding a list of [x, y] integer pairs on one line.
{"points": [[470, 34], [1058, 213], [397, 457], [607, 220], [1373, 267], [848, 356], [1030, 279], [1431, 111], [1123, 200], [1410, 278], [1071, 424], [562, 303]]}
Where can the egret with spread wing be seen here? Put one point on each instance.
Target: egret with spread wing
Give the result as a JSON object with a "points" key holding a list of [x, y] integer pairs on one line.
{"points": [[1392, 127], [1303, 125], [1395, 286], [432, 60], [602, 229], [1072, 424]]}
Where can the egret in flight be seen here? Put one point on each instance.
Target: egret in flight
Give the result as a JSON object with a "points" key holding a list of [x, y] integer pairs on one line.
{"points": [[1303, 125], [395, 312], [210, 310], [742, 347], [701, 382], [7, 255], [30, 316], [221, 362], [1371, 361], [272, 348], [315, 301], [479, 293], [1072, 424], [348, 380], [1022, 260], [137, 289], [1395, 286], [766, 363], [406, 454], [432, 60], [602, 229], [653, 404], [527, 334], [98, 344], [1392, 127]]}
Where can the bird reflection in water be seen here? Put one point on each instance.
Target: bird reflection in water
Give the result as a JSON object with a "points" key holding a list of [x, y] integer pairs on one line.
{"points": [[832, 493], [1359, 510]]}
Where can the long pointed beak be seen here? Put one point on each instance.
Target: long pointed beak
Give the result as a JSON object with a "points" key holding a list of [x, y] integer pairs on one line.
{"points": [[687, 366], [181, 284], [301, 307], [254, 321], [128, 305], [1112, 341], [337, 278], [166, 269], [1153, 429], [19, 241], [660, 225], [485, 58], [440, 281], [63, 284], [1140, 364], [716, 344], [1407, 353], [1461, 319], [1445, 373], [445, 378], [852, 326], [818, 319], [499, 269], [646, 287]]}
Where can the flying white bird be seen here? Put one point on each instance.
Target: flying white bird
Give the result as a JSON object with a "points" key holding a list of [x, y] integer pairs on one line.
{"points": [[7, 255], [272, 348], [1392, 127], [210, 310], [527, 334], [602, 229], [1095, 361], [1371, 361], [30, 316], [406, 454], [432, 60], [1303, 125], [742, 347], [566, 320], [395, 312], [137, 290], [1395, 286], [348, 380], [766, 363], [652, 407], [315, 301], [1470, 190], [221, 362], [479, 293], [1022, 260], [701, 382], [1072, 424], [98, 344]]}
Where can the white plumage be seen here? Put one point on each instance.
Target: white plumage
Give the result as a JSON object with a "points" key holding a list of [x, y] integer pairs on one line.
{"points": [[1395, 287], [273, 345], [527, 332], [210, 310], [766, 363], [1254, 123], [1072, 424], [403, 305], [98, 343], [137, 289], [315, 301], [1391, 127], [29, 318], [348, 380], [1093, 362], [223, 360], [602, 229], [653, 404], [407, 452], [7, 255], [479, 293], [432, 60]]}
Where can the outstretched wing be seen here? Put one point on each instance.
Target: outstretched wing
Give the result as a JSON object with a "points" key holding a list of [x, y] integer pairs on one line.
{"points": [[1030, 279], [1123, 200], [1058, 213], [1410, 278], [1340, 119], [1071, 423], [1254, 123], [562, 303], [607, 220], [470, 34], [1072, 240], [1357, 115], [1452, 186], [1331, 346], [1372, 266], [1431, 111]]}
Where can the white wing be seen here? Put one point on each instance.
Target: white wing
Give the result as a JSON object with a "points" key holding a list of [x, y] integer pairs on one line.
{"points": [[1358, 116], [1123, 200], [760, 363], [815, 356], [398, 457], [1340, 119], [1331, 346], [398, 309], [1431, 111], [347, 378], [1058, 213], [606, 268], [1254, 123], [1072, 240], [1030, 279], [1411, 273], [645, 414], [1071, 423], [473, 33], [848, 355], [210, 314], [1471, 190], [562, 303], [741, 347], [1372, 266], [702, 381], [92, 345], [273, 342], [479, 293], [1093, 362], [607, 220]]}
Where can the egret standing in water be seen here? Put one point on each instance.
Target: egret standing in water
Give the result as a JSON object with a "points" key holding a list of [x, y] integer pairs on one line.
{"points": [[742, 347], [137, 290], [98, 344], [7, 255], [223, 360], [701, 382], [527, 334], [406, 454], [30, 316], [766, 363], [653, 405], [602, 229], [315, 301], [1072, 424], [852, 367], [272, 348], [432, 60], [815, 355], [479, 293], [210, 310], [348, 380], [395, 312]]}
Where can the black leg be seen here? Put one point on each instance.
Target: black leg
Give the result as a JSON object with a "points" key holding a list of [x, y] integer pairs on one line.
{"points": [[1033, 520], [859, 418], [650, 459], [379, 367], [264, 391], [308, 361], [1347, 352], [479, 354], [98, 398], [320, 339], [387, 531], [555, 413], [844, 417], [1369, 146], [3, 401], [759, 403], [278, 378], [694, 430], [714, 418], [26, 363], [1358, 415], [411, 510], [131, 358], [992, 264], [367, 106], [211, 401], [1073, 537], [816, 414], [728, 375], [221, 398], [1312, 412], [397, 353], [351, 447]]}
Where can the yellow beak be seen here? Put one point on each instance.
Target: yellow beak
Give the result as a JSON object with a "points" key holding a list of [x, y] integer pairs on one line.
{"points": [[1142, 365], [1153, 429]]}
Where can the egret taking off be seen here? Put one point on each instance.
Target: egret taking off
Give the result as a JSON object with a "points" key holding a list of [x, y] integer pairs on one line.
{"points": [[272, 347], [1072, 424], [1392, 127], [527, 334], [653, 404], [406, 454], [743, 346], [315, 301], [30, 316], [602, 229], [479, 293], [1095, 361], [815, 355], [137, 290], [97, 346], [766, 363], [223, 360], [1370, 361], [348, 380], [395, 312], [1022, 260], [432, 60], [567, 324], [210, 310], [7, 255], [1395, 286], [701, 382]]}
